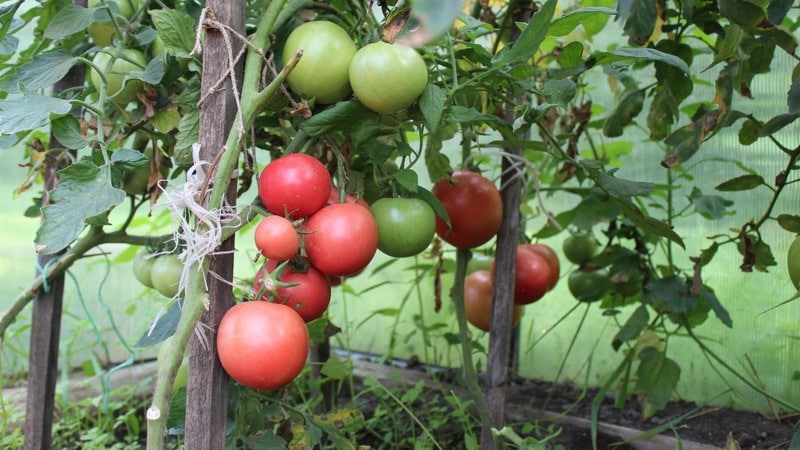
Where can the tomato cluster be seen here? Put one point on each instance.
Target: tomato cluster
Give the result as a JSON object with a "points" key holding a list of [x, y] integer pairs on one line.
{"points": [[586, 283], [387, 78], [537, 272], [161, 272]]}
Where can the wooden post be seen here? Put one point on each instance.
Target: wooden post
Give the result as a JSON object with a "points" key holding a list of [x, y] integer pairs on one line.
{"points": [[47, 307], [500, 334], [207, 387]]}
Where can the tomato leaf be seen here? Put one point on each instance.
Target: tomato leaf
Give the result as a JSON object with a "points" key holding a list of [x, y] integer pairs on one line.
{"points": [[621, 187], [628, 107], [42, 72], [789, 222], [709, 206], [176, 418], [633, 327], [656, 377], [428, 197], [162, 327], [564, 24], [741, 183], [649, 224], [83, 192], [338, 117], [334, 368], [128, 159], [431, 103], [407, 179], [176, 29], [67, 131], [69, 20], [713, 302], [528, 42], [152, 74], [30, 111]]}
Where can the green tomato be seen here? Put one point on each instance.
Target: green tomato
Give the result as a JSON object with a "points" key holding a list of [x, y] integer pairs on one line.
{"points": [[579, 248], [793, 262], [142, 266], [118, 89], [322, 72], [102, 32], [165, 274], [405, 225], [388, 78], [588, 285]]}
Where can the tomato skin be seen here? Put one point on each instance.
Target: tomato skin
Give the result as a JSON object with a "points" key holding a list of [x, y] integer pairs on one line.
{"points": [[323, 70], [262, 345], [579, 248], [387, 78], [478, 300], [474, 207], [333, 198], [295, 186], [340, 239], [532, 276], [142, 265], [552, 260], [118, 89], [588, 285], [405, 225], [165, 274], [276, 238], [793, 262], [311, 295]]}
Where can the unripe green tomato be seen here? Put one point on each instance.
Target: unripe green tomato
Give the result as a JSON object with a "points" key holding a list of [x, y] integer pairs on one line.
{"points": [[102, 32], [388, 78], [142, 265], [793, 262], [479, 261], [166, 274], [588, 285], [117, 89], [579, 248], [405, 225], [322, 72]]}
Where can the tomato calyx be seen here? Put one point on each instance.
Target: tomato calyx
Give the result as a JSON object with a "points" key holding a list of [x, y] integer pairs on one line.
{"points": [[270, 282]]}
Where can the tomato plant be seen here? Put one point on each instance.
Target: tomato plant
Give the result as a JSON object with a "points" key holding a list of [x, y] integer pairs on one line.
{"points": [[405, 225], [552, 260], [294, 185], [579, 248], [276, 238], [333, 198], [474, 207], [322, 72], [262, 345], [387, 78], [103, 32], [118, 88], [533, 276], [340, 239], [142, 265], [478, 300], [793, 262], [165, 274], [306, 290], [588, 285]]}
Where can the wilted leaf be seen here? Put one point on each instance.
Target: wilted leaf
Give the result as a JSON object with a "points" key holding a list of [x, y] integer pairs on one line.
{"points": [[628, 107]]}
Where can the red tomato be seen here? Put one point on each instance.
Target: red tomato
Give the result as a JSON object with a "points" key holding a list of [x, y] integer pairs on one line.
{"points": [[276, 238], [310, 295], [552, 260], [532, 277], [333, 198], [474, 206], [478, 300], [295, 186], [262, 345], [340, 239]]}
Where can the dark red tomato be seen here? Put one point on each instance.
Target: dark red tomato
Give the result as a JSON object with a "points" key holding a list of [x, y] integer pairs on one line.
{"points": [[552, 260], [310, 295], [294, 186], [532, 277], [474, 206], [262, 345], [333, 198], [340, 239], [276, 238], [478, 300]]}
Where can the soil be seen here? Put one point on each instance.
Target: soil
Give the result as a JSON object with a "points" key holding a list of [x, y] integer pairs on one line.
{"points": [[569, 408]]}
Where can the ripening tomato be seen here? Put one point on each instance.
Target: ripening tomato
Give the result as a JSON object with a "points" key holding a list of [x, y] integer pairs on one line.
{"points": [[387, 78], [340, 239], [323, 71], [552, 260], [310, 295], [276, 238], [532, 277], [262, 345], [474, 207], [294, 186], [405, 225], [478, 300]]}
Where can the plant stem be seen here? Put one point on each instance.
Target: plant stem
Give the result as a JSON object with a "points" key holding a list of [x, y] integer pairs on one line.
{"points": [[465, 337]]}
